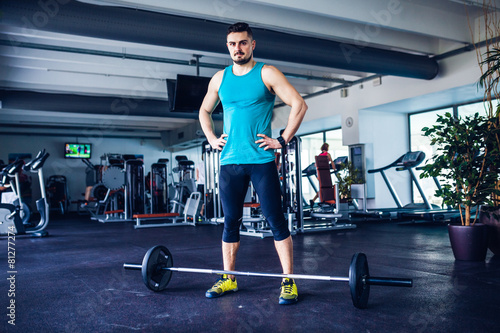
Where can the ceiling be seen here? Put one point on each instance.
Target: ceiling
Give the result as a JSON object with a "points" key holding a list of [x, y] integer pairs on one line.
{"points": [[96, 70]]}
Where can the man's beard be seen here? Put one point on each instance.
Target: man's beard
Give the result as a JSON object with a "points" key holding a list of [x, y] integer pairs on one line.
{"points": [[242, 61]]}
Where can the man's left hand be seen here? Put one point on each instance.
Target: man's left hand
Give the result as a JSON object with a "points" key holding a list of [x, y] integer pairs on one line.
{"points": [[267, 142]]}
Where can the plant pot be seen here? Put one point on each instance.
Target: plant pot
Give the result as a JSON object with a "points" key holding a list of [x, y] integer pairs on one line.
{"points": [[344, 206], [493, 224], [469, 243]]}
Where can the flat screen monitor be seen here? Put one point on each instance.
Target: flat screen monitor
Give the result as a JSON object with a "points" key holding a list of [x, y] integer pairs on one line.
{"points": [[189, 93], [77, 150]]}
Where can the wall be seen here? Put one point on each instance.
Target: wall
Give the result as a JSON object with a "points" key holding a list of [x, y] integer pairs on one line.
{"points": [[384, 135]]}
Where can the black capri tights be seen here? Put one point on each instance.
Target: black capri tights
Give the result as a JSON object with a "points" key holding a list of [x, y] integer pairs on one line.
{"points": [[234, 180]]}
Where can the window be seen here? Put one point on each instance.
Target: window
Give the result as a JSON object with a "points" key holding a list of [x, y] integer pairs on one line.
{"points": [[334, 139], [470, 109], [311, 146], [419, 142]]}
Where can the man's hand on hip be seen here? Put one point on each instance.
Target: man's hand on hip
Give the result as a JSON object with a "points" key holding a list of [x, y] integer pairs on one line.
{"points": [[267, 142], [219, 143]]}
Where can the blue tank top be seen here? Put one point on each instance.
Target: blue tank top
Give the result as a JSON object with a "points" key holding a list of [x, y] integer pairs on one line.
{"points": [[248, 108]]}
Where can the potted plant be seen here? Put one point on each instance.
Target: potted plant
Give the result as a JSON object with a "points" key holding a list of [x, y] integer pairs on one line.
{"points": [[466, 160], [347, 175]]}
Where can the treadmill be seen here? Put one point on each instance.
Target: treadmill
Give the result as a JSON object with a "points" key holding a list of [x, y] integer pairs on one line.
{"points": [[412, 211]]}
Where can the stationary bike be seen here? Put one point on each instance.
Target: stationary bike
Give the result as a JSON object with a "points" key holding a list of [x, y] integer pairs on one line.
{"points": [[10, 214]]}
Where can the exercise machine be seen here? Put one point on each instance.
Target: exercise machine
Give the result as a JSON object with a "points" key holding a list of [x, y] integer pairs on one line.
{"points": [[57, 193], [110, 195], [433, 215], [158, 188], [121, 193], [291, 185], [425, 210], [328, 215], [134, 188], [213, 206], [185, 204], [324, 218], [185, 184], [10, 214], [253, 222], [14, 183]]}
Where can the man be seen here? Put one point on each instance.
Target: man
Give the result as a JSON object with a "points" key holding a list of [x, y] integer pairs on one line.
{"points": [[247, 91]]}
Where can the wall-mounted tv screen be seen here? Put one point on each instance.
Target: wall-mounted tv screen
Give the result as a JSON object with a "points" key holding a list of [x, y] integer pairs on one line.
{"points": [[189, 93], [77, 150]]}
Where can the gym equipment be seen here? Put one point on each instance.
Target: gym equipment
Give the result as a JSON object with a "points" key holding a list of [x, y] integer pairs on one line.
{"points": [[185, 204], [291, 184], [10, 217], [186, 184], [121, 190], [190, 214], [157, 268], [408, 162], [57, 193], [110, 195], [301, 220], [253, 222], [134, 189], [329, 209], [158, 188], [213, 206], [11, 178]]}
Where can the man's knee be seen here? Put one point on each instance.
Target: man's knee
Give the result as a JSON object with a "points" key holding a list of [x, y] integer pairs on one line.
{"points": [[281, 233], [231, 235]]}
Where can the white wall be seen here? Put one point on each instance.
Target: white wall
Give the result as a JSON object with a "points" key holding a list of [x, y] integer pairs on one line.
{"points": [[385, 136]]}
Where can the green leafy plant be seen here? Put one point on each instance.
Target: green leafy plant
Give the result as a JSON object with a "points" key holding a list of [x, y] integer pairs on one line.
{"points": [[489, 65], [347, 175], [489, 81], [467, 159]]}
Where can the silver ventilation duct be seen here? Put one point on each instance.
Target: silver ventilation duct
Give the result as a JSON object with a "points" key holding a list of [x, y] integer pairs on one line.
{"points": [[125, 24]]}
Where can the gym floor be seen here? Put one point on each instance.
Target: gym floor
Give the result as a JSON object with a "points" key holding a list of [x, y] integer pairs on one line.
{"points": [[73, 281]]}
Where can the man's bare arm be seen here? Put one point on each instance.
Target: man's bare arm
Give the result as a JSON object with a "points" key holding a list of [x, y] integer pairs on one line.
{"points": [[278, 83], [205, 115]]}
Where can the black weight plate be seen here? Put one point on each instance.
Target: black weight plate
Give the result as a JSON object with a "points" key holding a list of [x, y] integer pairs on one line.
{"points": [[358, 272], [99, 191], [154, 276]]}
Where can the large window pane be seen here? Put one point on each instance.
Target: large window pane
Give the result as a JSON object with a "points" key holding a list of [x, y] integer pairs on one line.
{"points": [[311, 145], [470, 109], [334, 140], [422, 143]]}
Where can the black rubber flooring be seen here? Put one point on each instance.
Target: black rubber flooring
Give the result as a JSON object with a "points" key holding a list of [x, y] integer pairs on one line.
{"points": [[73, 281]]}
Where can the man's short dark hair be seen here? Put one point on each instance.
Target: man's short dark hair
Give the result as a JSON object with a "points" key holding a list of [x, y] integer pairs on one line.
{"points": [[240, 27]]}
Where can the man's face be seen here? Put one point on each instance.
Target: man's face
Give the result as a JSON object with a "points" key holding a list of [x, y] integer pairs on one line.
{"points": [[240, 47]]}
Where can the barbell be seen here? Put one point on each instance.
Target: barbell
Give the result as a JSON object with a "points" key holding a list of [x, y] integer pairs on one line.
{"points": [[157, 268]]}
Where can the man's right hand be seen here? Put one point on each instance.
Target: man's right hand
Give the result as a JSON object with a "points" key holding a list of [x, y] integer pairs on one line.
{"points": [[219, 143]]}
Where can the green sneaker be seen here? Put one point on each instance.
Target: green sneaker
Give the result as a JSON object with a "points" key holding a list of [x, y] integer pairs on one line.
{"points": [[222, 287], [289, 294]]}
